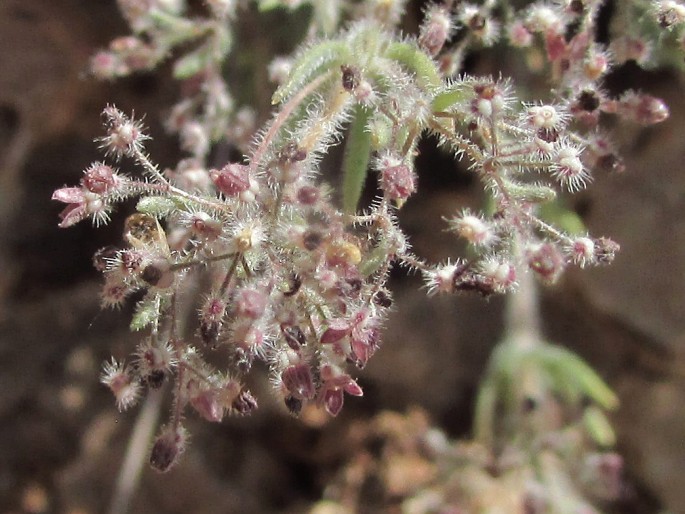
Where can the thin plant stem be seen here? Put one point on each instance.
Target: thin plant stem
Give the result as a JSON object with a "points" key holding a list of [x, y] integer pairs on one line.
{"points": [[136, 453]]}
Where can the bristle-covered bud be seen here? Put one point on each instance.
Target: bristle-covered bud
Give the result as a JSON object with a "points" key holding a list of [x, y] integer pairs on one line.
{"points": [[114, 291], [231, 180], [443, 278], [122, 382], [397, 178], [474, 229], [435, 30], [99, 178], [211, 320], [501, 275], [582, 251], [308, 195], [167, 448], [125, 136], [250, 303], [568, 169]]}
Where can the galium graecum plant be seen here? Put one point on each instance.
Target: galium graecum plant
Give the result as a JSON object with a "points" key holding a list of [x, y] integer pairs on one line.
{"points": [[296, 270]]}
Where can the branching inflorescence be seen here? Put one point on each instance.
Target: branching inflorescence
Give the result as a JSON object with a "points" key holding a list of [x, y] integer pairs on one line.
{"points": [[293, 278]]}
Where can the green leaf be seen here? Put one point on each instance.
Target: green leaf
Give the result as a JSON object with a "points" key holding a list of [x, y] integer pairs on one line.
{"points": [[455, 94], [147, 313], [356, 160], [484, 417], [313, 62], [532, 193], [599, 427], [568, 367], [193, 63], [373, 262], [416, 61], [557, 214], [157, 206]]}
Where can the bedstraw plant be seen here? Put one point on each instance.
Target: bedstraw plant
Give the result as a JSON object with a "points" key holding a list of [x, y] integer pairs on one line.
{"points": [[292, 272]]}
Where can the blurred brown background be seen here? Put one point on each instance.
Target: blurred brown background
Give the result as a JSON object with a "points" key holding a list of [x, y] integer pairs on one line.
{"points": [[61, 438]]}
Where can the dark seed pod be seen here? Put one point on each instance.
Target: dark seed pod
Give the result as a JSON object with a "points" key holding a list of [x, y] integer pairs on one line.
{"points": [[294, 405], [588, 101], [245, 403], [209, 331], [383, 299], [155, 379], [167, 448], [294, 336], [152, 274], [312, 239], [295, 287], [291, 153], [350, 77]]}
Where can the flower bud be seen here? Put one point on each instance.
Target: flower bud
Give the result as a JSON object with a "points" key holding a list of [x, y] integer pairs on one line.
{"points": [[168, 447], [250, 303], [232, 179], [435, 30], [99, 178]]}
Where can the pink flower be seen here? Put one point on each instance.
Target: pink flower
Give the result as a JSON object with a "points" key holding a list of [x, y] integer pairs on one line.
{"points": [[75, 211], [335, 383], [81, 203]]}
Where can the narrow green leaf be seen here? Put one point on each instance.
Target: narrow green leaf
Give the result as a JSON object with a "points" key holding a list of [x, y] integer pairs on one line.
{"points": [[533, 193], [562, 362], [484, 416], [598, 426], [157, 206], [147, 312], [313, 62], [416, 61], [373, 262], [457, 93], [192, 63], [557, 214], [356, 160]]}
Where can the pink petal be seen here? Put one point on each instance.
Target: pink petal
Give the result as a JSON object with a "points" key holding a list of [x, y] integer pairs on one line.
{"points": [[333, 401], [72, 214], [68, 195], [352, 388], [337, 329]]}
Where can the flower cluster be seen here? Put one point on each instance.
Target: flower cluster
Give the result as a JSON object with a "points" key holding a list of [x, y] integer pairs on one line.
{"points": [[293, 278]]}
